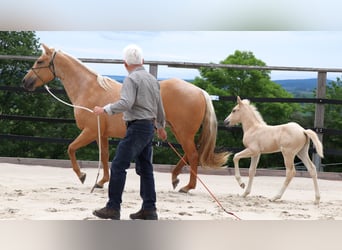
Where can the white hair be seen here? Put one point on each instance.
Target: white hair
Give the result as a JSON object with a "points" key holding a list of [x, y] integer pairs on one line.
{"points": [[133, 55]]}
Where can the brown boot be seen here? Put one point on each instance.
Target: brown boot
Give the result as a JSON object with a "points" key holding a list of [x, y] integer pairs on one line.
{"points": [[144, 215], [107, 213]]}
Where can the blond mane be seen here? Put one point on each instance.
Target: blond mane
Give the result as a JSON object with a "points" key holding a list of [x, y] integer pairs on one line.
{"points": [[254, 110], [104, 82]]}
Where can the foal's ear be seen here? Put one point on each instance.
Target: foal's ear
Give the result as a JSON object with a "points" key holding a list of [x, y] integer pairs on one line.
{"points": [[238, 100]]}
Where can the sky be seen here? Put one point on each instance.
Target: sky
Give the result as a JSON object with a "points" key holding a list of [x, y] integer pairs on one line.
{"points": [[306, 33], [320, 49]]}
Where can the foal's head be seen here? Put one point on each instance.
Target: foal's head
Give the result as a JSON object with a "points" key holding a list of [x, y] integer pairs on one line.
{"points": [[243, 110], [234, 117]]}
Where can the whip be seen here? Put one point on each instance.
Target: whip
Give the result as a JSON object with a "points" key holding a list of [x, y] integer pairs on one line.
{"points": [[205, 186]]}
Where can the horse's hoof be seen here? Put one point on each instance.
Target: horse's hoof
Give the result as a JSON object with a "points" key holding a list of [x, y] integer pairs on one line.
{"points": [[98, 186], [175, 183], [183, 190], [242, 185], [82, 177]]}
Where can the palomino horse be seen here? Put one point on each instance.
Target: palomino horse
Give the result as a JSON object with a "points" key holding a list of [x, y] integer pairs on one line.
{"points": [[187, 107], [290, 139]]}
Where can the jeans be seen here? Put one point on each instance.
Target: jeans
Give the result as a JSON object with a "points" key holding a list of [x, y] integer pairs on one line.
{"points": [[136, 145]]}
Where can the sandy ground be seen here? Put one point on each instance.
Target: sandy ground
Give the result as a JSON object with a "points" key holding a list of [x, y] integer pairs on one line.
{"points": [[32, 192]]}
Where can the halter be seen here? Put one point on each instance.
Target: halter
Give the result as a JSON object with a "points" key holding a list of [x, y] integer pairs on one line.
{"points": [[51, 67]]}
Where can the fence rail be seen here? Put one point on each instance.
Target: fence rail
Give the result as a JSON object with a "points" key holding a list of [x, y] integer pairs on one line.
{"points": [[319, 101]]}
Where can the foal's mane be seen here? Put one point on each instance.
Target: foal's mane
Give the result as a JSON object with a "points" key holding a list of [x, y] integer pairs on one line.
{"points": [[104, 82], [254, 110]]}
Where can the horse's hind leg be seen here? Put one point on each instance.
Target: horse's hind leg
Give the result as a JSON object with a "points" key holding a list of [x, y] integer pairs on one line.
{"points": [[192, 156], [177, 170], [304, 156], [290, 173]]}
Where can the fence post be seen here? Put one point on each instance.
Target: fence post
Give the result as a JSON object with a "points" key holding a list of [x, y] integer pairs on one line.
{"points": [[319, 113], [154, 70]]}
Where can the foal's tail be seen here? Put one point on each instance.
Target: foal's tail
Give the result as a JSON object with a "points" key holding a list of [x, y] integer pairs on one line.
{"points": [[318, 145], [207, 139]]}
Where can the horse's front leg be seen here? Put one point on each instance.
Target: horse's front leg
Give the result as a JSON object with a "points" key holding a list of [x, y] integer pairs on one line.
{"points": [[251, 173], [82, 140]]}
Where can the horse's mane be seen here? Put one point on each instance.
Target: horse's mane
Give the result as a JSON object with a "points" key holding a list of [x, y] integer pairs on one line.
{"points": [[104, 82], [254, 110]]}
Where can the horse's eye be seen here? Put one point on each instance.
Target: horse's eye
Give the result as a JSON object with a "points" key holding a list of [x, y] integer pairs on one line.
{"points": [[40, 62]]}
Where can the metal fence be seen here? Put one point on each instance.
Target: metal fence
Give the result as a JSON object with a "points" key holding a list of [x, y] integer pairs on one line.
{"points": [[319, 101]]}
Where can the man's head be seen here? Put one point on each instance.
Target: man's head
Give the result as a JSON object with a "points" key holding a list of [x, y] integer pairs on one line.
{"points": [[133, 55]]}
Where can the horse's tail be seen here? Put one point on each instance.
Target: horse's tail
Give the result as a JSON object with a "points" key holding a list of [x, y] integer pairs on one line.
{"points": [[207, 139], [318, 145]]}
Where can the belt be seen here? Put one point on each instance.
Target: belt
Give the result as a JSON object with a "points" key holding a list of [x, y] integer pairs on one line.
{"points": [[128, 123]]}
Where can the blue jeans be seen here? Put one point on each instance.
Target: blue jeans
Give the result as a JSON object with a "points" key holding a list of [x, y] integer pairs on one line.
{"points": [[136, 145]]}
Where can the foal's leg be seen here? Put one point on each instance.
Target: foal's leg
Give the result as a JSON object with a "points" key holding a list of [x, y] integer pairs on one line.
{"points": [[243, 154], [83, 139], [290, 173], [252, 171], [304, 156]]}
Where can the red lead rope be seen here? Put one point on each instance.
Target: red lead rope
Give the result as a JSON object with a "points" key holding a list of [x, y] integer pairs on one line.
{"points": [[205, 186]]}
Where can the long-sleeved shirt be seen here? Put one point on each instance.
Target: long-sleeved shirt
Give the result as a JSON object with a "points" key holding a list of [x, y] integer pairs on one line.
{"points": [[140, 98]]}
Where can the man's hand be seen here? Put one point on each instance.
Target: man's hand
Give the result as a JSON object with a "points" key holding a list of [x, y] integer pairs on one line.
{"points": [[162, 134], [98, 110]]}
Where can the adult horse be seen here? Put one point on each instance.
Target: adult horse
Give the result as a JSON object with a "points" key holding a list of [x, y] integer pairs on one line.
{"points": [[187, 108], [259, 138]]}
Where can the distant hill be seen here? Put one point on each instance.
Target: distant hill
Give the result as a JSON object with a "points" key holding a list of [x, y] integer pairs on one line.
{"points": [[298, 87], [298, 84], [116, 78], [122, 78]]}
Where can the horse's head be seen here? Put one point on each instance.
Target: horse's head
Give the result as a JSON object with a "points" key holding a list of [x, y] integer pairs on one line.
{"points": [[235, 116], [42, 71]]}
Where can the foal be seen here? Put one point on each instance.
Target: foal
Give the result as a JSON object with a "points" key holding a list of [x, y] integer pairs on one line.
{"points": [[290, 139]]}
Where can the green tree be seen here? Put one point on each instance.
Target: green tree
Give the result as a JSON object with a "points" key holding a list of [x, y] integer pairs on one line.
{"points": [[29, 104], [333, 120], [246, 84]]}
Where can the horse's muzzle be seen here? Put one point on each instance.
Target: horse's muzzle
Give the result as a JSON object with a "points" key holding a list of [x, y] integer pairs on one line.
{"points": [[28, 84], [226, 123]]}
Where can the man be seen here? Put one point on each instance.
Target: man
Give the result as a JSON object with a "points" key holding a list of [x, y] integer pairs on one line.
{"points": [[143, 110]]}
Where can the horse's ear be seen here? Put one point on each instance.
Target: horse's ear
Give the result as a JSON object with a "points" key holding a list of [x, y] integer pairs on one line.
{"points": [[46, 49], [239, 100]]}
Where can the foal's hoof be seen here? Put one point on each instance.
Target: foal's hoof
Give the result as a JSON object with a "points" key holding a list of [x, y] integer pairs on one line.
{"points": [[82, 177], [175, 183]]}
